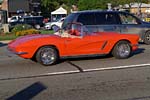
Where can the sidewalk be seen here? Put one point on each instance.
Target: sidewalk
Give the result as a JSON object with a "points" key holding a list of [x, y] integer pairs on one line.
{"points": [[5, 41]]}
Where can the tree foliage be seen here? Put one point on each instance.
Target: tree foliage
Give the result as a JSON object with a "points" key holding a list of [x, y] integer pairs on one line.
{"points": [[47, 6], [92, 4], [50, 5]]}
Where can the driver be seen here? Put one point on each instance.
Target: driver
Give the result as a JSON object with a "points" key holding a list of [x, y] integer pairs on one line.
{"points": [[69, 33], [72, 30]]}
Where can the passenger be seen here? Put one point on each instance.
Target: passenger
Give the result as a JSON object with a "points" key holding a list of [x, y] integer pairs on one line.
{"points": [[71, 33]]}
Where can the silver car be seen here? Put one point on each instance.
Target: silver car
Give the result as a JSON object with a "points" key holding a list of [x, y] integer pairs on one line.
{"points": [[117, 21], [49, 25]]}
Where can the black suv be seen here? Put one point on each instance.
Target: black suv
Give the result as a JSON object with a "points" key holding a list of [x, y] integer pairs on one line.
{"points": [[116, 21], [35, 21]]}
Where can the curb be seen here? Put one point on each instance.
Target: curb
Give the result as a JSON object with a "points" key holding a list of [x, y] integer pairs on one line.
{"points": [[5, 41]]}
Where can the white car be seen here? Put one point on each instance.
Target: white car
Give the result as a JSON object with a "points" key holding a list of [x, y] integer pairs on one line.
{"points": [[49, 25], [14, 18]]}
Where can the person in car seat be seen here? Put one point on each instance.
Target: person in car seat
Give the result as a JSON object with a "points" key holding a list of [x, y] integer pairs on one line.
{"points": [[71, 33]]}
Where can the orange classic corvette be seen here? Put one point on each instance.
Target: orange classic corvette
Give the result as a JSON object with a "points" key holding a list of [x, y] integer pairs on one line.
{"points": [[48, 49]]}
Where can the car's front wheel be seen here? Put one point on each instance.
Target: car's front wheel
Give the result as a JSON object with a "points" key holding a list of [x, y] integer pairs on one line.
{"points": [[122, 50], [47, 55], [147, 38]]}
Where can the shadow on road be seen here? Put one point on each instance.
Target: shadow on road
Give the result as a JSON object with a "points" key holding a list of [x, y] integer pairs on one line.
{"points": [[78, 58], [2, 44], [140, 50], [29, 92], [140, 98]]}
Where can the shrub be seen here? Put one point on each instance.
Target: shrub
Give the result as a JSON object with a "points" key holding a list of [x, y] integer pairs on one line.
{"points": [[27, 32], [21, 27]]}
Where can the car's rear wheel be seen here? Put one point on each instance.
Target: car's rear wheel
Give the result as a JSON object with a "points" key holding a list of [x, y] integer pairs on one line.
{"points": [[147, 38], [122, 50], [47, 55]]}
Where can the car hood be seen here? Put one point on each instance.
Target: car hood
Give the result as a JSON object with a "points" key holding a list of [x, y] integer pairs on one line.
{"points": [[32, 37]]}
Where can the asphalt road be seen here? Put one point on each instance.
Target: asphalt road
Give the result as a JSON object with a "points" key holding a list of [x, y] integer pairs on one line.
{"points": [[99, 78]]}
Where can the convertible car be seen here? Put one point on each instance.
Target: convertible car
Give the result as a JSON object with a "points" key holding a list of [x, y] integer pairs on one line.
{"points": [[48, 49]]}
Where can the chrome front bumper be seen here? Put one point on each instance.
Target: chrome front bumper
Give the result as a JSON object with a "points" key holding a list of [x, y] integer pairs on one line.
{"points": [[11, 52]]}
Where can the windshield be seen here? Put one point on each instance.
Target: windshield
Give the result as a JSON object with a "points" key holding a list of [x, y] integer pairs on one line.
{"points": [[72, 30], [69, 19]]}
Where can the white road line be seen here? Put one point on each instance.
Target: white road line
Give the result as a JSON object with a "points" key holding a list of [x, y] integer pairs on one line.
{"points": [[117, 67], [78, 71], [96, 69], [60, 73]]}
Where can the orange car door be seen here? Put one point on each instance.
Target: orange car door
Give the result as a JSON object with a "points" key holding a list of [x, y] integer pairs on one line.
{"points": [[90, 44]]}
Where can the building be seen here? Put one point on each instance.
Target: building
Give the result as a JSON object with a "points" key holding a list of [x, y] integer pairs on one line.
{"points": [[14, 7], [35, 7], [138, 7]]}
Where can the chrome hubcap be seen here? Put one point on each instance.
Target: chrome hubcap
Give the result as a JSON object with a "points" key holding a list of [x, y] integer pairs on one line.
{"points": [[124, 50], [47, 56]]}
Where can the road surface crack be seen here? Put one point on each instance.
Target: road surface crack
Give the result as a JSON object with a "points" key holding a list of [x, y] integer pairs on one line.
{"points": [[78, 67]]}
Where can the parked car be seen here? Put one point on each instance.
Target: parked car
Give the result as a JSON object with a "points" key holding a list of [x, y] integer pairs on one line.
{"points": [[111, 21], [48, 49], [35, 21], [14, 19], [49, 25]]}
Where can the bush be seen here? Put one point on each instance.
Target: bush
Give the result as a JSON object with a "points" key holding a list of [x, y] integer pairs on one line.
{"points": [[21, 27], [27, 32]]}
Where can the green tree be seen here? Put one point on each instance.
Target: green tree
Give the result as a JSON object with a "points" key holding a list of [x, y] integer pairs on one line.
{"points": [[92, 4], [47, 6], [50, 5]]}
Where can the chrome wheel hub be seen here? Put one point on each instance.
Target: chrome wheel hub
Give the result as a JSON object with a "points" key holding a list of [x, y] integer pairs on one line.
{"points": [[47, 56], [124, 50]]}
